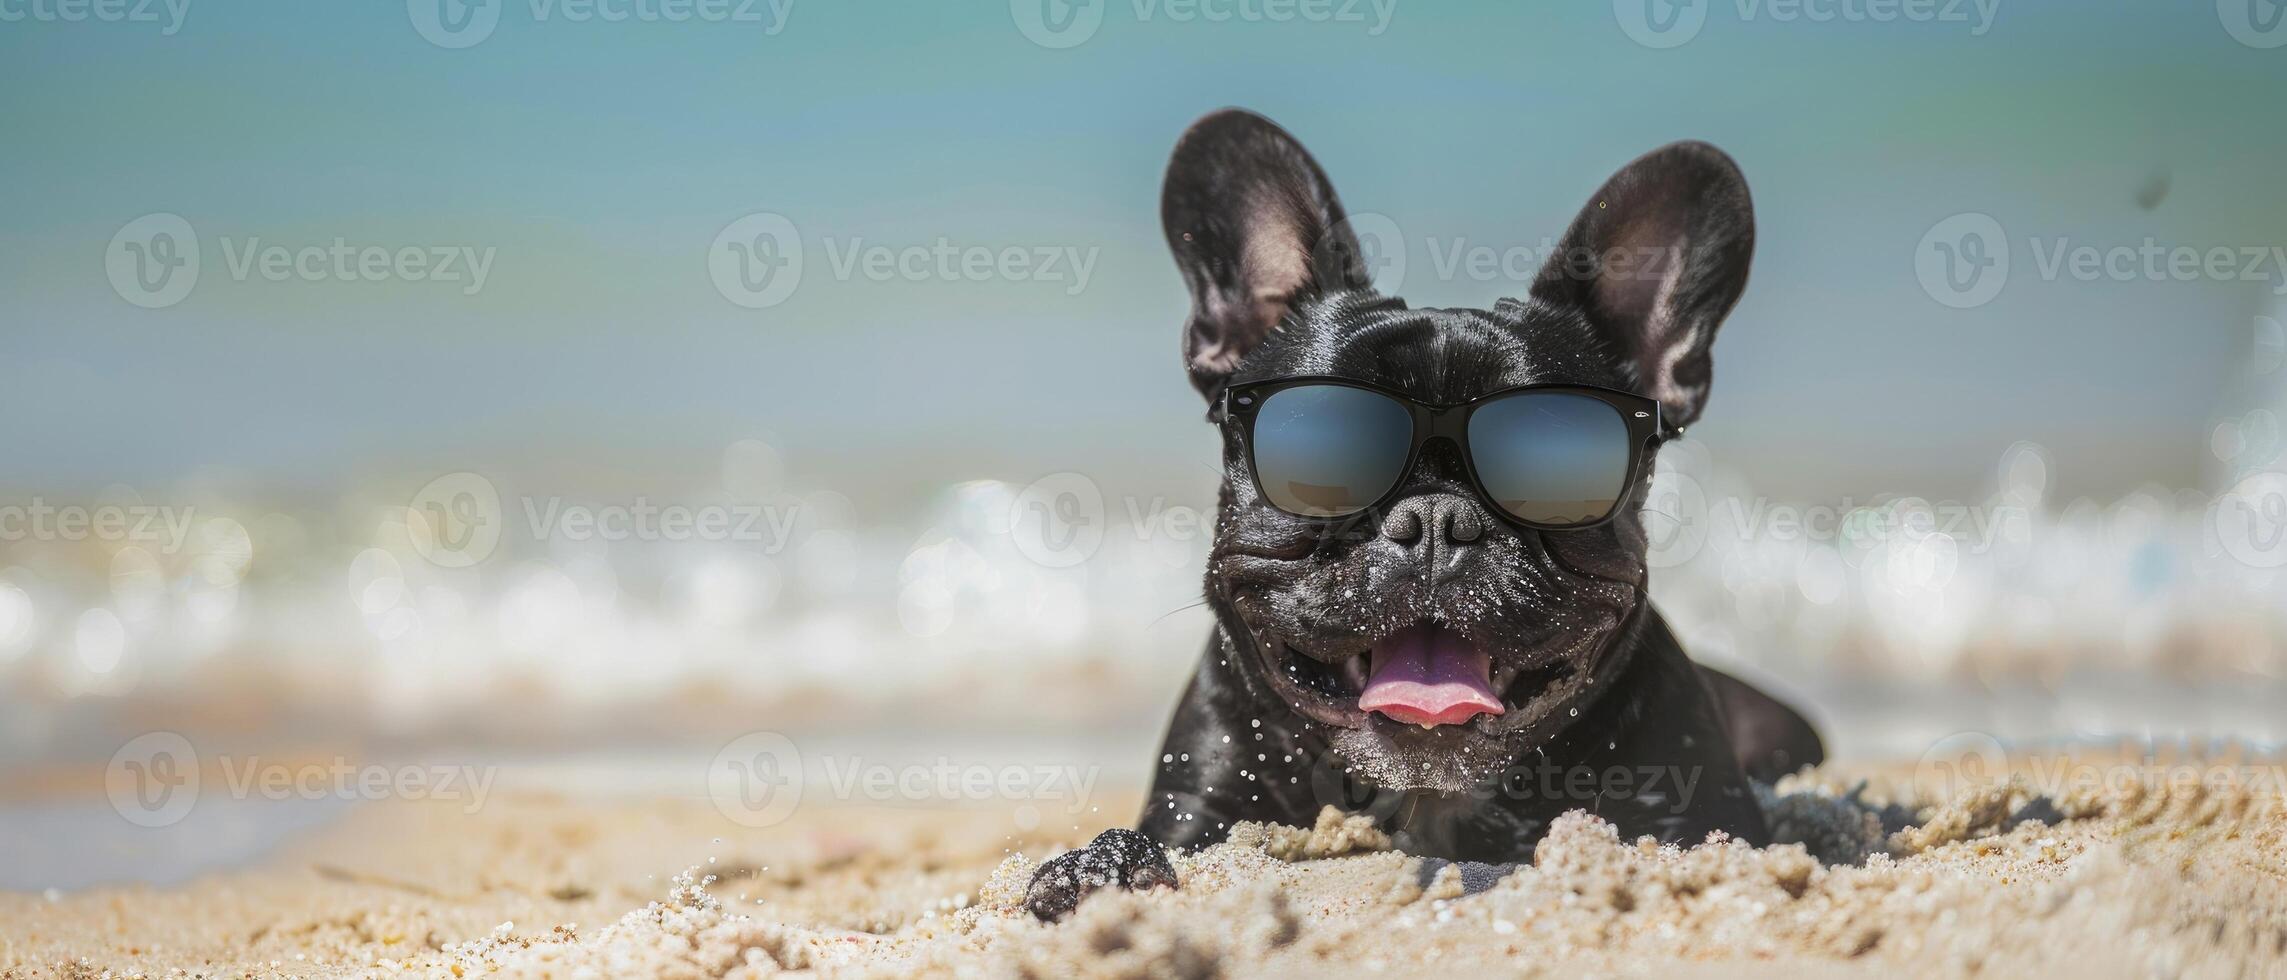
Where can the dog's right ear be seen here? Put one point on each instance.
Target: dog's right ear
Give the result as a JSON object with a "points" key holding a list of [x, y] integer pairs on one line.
{"points": [[1255, 228]]}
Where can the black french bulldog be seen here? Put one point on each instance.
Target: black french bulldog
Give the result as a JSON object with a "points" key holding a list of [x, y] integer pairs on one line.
{"points": [[1462, 677]]}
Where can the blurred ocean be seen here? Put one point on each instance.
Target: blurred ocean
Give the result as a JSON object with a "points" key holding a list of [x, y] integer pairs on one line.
{"points": [[465, 610]]}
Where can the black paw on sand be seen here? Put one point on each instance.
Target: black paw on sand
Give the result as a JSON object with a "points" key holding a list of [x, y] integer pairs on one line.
{"points": [[1116, 857]]}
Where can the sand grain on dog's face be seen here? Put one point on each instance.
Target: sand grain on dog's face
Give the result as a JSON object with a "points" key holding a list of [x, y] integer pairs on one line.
{"points": [[2186, 880]]}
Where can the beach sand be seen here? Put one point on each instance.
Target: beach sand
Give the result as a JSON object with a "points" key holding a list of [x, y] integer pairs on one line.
{"points": [[2144, 877]]}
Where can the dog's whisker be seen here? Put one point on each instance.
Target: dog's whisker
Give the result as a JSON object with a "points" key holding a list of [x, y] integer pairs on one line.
{"points": [[1162, 617]]}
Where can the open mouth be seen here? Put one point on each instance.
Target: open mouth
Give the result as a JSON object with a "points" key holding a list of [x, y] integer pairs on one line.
{"points": [[1426, 675]]}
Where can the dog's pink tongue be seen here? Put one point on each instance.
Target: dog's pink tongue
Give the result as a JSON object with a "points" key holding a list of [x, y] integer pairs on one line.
{"points": [[1427, 676]]}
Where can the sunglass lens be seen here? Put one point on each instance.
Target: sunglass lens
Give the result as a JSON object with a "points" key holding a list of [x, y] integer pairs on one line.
{"points": [[1329, 450], [1551, 457]]}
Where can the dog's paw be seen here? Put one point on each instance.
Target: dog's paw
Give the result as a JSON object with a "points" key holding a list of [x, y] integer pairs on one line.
{"points": [[1116, 857]]}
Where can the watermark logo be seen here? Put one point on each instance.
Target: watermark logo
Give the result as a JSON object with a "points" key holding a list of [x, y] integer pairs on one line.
{"points": [[1924, 537], [2250, 520], [170, 14], [1532, 778], [1058, 520], [456, 520], [948, 261], [1332, 784], [1381, 256], [644, 519], [756, 779], [1661, 24], [153, 261], [1057, 24], [457, 24], [153, 780], [2260, 24], [454, 24], [944, 780], [1381, 253], [39, 520], [1963, 762], [341, 261], [761, 778], [756, 261], [1963, 261], [1675, 518]]}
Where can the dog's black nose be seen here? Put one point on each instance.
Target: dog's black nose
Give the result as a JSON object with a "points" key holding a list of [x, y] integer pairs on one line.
{"points": [[1440, 518]]}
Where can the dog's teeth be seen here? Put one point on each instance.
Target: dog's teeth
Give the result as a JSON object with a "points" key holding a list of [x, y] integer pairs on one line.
{"points": [[1426, 726]]}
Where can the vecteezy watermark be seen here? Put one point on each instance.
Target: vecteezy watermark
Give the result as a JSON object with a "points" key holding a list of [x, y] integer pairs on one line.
{"points": [[155, 779], [457, 520], [1978, 525], [1976, 762], [1058, 520], [340, 261], [455, 24], [168, 14], [757, 261], [1964, 261], [760, 778], [154, 261], [1680, 516], [756, 779], [1070, 23], [1061, 519], [944, 780], [1383, 257], [1661, 24], [2250, 520], [1673, 786], [2258, 24], [39, 520], [1460, 260], [947, 261]]}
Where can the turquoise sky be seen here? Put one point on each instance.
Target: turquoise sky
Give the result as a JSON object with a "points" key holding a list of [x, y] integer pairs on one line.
{"points": [[598, 161]]}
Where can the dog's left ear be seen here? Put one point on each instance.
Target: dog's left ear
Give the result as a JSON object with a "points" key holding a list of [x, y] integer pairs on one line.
{"points": [[1657, 259], [1256, 229]]}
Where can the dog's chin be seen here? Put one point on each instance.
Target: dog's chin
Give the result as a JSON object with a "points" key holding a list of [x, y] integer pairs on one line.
{"points": [[1537, 687], [1450, 762]]}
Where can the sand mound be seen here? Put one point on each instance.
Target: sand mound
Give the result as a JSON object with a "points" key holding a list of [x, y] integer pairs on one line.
{"points": [[2145, 881], [2178, 879]]}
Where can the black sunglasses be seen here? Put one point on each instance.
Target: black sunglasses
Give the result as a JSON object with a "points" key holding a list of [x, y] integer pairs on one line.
{"points": [[1554, 457]]}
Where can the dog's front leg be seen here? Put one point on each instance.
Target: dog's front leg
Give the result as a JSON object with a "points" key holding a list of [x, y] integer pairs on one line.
{"points": [[1205, 784], [1117, 857]]}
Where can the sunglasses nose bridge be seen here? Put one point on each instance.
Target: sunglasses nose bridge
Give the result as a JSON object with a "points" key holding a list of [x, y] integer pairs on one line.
{"points": [[1441, 459], [1447, 422]]}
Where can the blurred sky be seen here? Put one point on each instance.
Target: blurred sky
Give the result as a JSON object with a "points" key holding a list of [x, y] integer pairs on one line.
{"points": [[601, 159]]}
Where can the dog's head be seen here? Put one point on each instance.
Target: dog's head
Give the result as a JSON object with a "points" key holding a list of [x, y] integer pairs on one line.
{"points": [[1629, 299]]}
